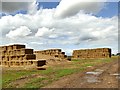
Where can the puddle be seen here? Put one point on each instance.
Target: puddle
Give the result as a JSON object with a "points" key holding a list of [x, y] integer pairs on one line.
{"points": [[93, 73], [92, 77], [96, 72], [99, 70], [117, 75]]}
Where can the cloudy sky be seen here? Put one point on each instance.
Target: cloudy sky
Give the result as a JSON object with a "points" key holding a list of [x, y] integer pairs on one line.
{"points": [[66, 24]]}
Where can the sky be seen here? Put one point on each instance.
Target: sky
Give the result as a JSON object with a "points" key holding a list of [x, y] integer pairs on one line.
{"points": [[68, 24]]}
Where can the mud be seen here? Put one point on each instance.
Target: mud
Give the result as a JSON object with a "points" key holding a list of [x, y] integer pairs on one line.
{"points": [[105, 76]]}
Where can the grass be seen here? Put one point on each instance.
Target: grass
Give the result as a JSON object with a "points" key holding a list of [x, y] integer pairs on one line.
{"points": [[64, 72], [13, 75], [51, 74], [35, 83]]}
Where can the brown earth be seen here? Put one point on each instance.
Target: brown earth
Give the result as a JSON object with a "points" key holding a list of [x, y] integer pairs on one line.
{"points": [[102, 76], [21, 81]]}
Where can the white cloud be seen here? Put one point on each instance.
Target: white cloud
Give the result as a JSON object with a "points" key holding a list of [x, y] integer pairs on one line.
{"points": [[32, 9], [19, 32], [68, 8], [75, 30], [37, 43], [44, 32], [78, 31]]}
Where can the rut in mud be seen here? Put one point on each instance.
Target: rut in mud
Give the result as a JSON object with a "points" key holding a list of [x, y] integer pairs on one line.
{"points": [[105, 76]]}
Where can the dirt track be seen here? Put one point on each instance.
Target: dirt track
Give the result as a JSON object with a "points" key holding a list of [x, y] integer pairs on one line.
{"points": [[105, 76]]}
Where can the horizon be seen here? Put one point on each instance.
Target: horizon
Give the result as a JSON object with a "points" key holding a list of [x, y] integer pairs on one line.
{"points": [[59, 48]]}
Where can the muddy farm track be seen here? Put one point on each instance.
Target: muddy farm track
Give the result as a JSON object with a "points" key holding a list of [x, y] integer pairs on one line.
{"points": [[103, 76]]}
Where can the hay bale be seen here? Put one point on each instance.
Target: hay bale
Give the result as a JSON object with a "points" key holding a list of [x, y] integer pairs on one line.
{"points": [[41, 63], [18, 46], [29, 56]]}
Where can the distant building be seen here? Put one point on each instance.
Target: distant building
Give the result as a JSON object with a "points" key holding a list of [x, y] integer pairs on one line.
{"points": [[92, 53]]}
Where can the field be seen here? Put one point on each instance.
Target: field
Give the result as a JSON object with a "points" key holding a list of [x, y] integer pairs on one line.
{"points": [[53, 73]]}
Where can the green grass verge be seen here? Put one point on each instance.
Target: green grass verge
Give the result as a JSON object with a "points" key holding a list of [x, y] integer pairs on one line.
{"points": [[12, 75], [51, 73], [35, 83]]}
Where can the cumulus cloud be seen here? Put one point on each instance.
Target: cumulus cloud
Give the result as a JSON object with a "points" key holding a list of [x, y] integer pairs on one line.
{"points": [[36, 43], [75, 29], [19, 32], [81, 30], [44, 32], [68, 8], [33, 8]]}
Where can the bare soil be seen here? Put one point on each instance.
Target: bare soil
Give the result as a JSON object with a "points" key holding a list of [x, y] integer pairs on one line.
{"points": [[21, 81], [102, 76]]}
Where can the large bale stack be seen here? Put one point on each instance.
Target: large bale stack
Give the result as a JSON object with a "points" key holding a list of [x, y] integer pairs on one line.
{"points": [[92, 53], [50, 53], [17, 55]]}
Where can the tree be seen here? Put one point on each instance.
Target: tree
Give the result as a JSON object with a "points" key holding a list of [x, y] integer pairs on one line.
{"points": [[118, 54]]}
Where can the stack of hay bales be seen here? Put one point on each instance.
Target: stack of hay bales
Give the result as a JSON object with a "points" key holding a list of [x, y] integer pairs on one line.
{"points": [[17, 55], [51, 53], [92, 53]]}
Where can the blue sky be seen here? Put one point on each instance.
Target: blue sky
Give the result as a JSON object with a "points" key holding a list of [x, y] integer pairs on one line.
{"points": [[110, 9], [48, 4], [61, 25]]}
